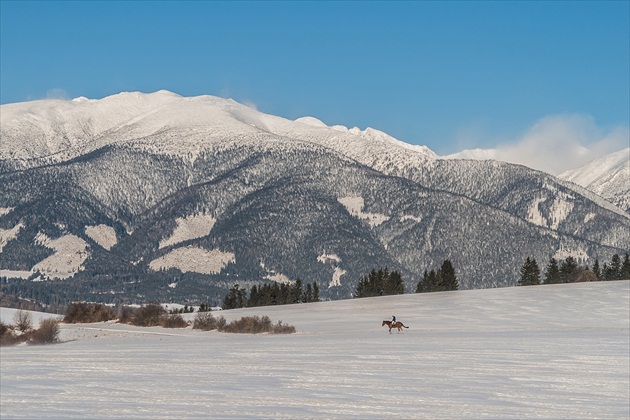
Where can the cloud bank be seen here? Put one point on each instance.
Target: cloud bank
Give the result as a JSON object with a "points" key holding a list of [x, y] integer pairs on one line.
{"points": [[556, 143], [57, 93]]}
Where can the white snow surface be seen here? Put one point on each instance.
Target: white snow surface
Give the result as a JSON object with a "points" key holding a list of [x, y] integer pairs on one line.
{"points": [[23, 274], [279, 278], [191, 227], [103, 235], [193, 259], [608, 176], [336, 277], [58, 130], [7, 235], [355, 206], [70, 253], [548, 352]]}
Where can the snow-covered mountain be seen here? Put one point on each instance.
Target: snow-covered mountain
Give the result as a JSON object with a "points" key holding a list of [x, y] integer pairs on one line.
{"points": [[607, 176], [158, 194]]}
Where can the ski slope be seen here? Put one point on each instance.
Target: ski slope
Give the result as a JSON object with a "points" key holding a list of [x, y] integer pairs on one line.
{"points": [[551, 352]]}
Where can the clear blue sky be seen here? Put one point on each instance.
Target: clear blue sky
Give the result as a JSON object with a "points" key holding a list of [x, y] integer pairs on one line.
{"points": [[425, 72]]}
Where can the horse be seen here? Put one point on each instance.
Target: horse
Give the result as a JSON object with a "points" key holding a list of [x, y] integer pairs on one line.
{"points": [[396, 324]]}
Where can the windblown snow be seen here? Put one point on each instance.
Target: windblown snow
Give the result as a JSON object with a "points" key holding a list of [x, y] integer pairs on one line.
{"points": [[547, 352]]}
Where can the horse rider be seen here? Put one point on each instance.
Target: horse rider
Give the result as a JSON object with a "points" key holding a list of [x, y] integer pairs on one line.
{"points": [[393, 319]]}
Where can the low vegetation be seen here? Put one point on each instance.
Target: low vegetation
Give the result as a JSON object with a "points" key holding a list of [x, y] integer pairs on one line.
{"points": [[22, 331], [153, 315], [245, 325], [81, 312], [205, 321]]}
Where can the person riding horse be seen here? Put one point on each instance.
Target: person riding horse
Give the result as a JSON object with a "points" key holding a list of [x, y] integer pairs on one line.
{"points": [[394, 324]]}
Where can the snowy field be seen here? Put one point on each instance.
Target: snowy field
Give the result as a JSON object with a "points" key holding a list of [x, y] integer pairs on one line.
{"points": [[550, 352]]}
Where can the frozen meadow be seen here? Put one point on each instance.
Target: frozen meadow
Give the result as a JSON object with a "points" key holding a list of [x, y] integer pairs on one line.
{"points": [[551, 352]]}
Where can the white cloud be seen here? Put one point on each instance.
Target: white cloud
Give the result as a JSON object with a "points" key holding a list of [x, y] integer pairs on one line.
{"points": [[556, 143], [57, 93]]}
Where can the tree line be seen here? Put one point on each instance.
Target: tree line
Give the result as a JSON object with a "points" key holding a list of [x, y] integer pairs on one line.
{"points": [[569, 271], [271, 294], [382, 282]]}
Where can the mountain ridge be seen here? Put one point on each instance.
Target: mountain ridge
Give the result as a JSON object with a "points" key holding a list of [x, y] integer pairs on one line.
{"points": [[607, 176], [280, 195]]}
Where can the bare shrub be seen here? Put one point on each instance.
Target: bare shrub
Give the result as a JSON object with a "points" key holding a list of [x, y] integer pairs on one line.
{"points": [[125, 314], [47, 333], [256, 325], [7, 336], [148, 315], [221, 323], [4, 328], [173, 321], [281, 328], [585, 276], [205, 321], [23, 321], [81, 312]]}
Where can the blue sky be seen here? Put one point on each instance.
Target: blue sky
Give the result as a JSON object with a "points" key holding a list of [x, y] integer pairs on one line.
{"points": [[449, 75]]}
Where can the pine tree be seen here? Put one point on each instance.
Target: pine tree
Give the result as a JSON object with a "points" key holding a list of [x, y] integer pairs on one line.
{"points": [[298, 293], [235, 298], [308, 294], [552, 272], [613, 271], [431, 282], [315, 292], [449, 280], [420, 288], [596, 270], [379, 283], [530, 273], [625, 268], [394, 284], [568, 268]]}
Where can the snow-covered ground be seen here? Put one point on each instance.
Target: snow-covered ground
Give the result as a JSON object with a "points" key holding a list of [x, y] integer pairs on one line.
{"points": [[553, 352]]}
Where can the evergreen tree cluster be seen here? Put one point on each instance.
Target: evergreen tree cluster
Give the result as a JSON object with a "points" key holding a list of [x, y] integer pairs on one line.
{"points": [[442, 280], [530, 273], [185, 310], [380, 283], [569, 271], [271, 294]]}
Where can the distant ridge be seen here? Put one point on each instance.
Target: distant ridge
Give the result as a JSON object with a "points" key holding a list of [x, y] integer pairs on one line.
{"points": [[158, 195], [608, 176]]}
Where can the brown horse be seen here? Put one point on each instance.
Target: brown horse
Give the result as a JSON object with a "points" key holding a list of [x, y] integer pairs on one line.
{"points": [[396, 324]]}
